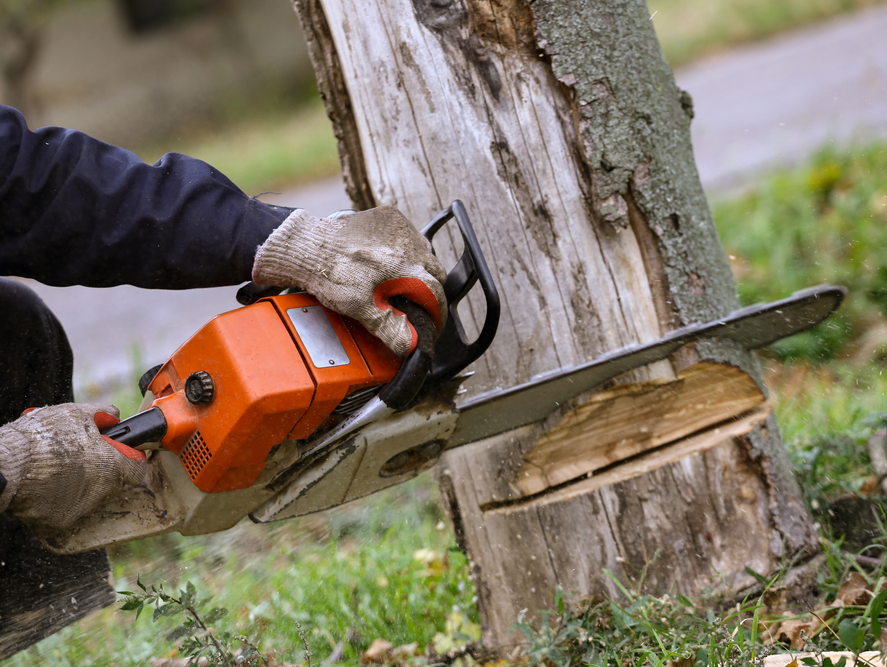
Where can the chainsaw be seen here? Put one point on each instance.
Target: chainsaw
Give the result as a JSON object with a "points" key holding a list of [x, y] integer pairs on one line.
{"points": [[283, 407]]}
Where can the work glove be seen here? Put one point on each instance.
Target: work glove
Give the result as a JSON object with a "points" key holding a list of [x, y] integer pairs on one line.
{"points": [[354, 263], [58, 466]]}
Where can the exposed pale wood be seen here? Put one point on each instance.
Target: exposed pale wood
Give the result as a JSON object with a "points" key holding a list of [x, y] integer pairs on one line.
{"points": [[42, 592], [650, 461], [559, 125], [629, 419]]}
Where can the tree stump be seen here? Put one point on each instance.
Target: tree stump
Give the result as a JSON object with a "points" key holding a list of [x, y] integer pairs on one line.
{"points": [[559, 125]]}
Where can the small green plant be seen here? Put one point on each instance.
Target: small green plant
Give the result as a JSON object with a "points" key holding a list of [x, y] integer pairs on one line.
{"points": [[195, 635]]}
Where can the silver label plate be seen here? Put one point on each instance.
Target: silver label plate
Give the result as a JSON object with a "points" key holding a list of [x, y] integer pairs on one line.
{"points": [[318, 336]]}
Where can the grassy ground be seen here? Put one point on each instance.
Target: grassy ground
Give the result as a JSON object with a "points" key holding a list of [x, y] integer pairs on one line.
{"points": [[386, 568], [823, 222]]}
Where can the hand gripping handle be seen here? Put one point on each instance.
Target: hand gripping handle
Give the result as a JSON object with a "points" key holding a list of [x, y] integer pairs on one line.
{"points": [[424, 370], [414, 370]]}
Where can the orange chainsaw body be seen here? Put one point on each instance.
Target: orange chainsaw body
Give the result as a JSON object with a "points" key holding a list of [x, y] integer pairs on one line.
{"points": [[277, 369]]}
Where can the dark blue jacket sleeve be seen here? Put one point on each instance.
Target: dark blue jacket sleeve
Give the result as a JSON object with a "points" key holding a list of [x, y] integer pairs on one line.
{"points": [[77, 211]]}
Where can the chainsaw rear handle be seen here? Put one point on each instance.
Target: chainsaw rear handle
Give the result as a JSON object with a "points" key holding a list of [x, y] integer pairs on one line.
{"points": [[452, 352], [414, 370]]}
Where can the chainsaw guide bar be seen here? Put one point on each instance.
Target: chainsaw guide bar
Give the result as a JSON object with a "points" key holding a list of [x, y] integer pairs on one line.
{"points": [[753, 327]]}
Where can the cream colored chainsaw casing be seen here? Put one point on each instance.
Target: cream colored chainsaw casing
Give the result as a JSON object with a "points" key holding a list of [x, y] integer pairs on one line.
{"points": [[386, 453]]}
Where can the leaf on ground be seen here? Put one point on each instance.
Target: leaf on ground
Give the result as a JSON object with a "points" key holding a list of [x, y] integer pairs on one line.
{"points": [[869, 486], [406, 651], [854, 591], [789, 631], [378, 653], [434, 561], [680, 662]]}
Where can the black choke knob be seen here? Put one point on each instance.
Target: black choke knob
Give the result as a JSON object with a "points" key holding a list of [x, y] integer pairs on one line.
{"points": [[199, 388]]}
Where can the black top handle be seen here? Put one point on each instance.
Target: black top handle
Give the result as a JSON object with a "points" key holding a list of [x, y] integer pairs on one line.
{"points": [[453, 352]]}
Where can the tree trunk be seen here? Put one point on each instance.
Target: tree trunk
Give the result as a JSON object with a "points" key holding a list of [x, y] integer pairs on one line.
{"points": [[559, 125]]}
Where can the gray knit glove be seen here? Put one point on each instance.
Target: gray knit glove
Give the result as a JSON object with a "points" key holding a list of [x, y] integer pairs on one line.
{"points": [[58, 466], [353, 264]]}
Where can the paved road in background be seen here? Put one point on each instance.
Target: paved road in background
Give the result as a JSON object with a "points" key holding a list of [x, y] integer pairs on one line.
{"points": [[776, 102], [757, 107]]}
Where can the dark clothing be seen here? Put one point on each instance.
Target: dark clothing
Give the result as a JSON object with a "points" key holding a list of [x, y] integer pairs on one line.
{"points": [[36, 367], [77, 211], [40, 592]]}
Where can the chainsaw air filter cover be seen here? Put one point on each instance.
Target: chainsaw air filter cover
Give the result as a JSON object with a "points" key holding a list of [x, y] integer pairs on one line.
{"points": [[254, 377]]}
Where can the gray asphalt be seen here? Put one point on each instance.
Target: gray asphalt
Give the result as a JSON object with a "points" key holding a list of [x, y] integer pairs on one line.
{"points": [[758, 107], [774, 103]]}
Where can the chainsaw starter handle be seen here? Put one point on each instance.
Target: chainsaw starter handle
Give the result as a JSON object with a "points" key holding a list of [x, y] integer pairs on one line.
{"points": [[147, 426]]}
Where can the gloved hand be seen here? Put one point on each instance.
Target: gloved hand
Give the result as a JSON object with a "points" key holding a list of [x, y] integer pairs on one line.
{"points": [[353, 264], [58, 466]]}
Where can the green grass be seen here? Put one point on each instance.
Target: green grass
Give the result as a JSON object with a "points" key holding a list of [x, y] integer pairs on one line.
{"points": [[690, 29], [645, 631], [825, 222], [827, 414], [383, 568]]}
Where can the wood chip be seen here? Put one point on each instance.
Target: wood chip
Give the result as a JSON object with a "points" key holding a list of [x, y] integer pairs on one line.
{"points": [[854, 590]]}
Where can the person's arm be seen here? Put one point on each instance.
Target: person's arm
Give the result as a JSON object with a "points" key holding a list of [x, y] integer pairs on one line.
{"points": [[77, 211]]}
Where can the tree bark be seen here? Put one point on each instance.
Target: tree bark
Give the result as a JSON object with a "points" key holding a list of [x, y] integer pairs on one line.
{"points": [[559, 125]]}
